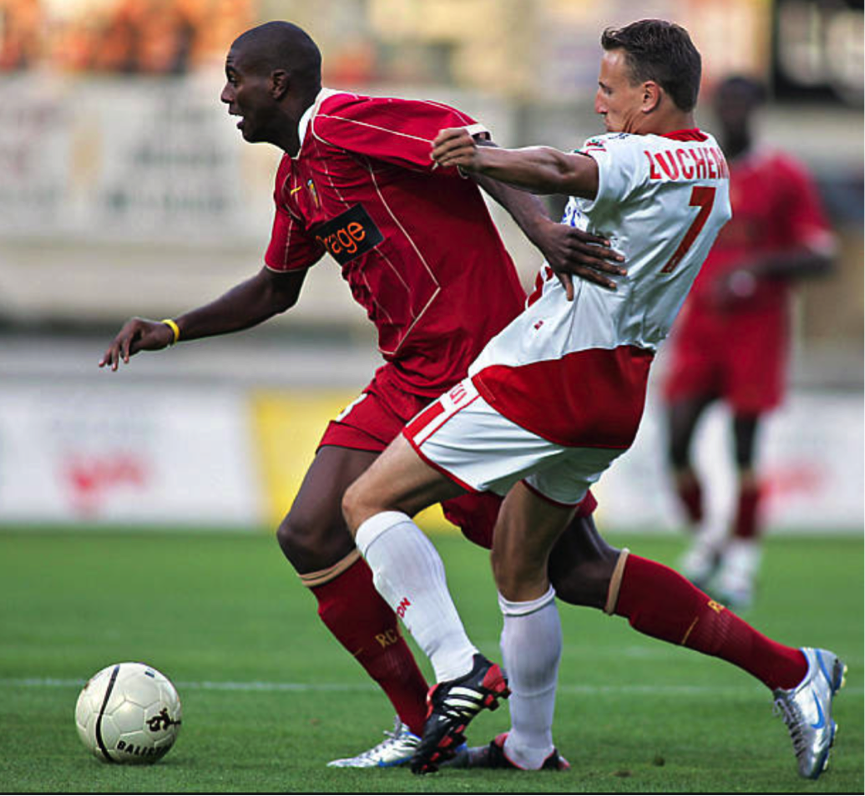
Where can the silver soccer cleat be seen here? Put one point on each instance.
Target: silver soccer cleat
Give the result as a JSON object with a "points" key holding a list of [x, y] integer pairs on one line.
{"points": [[396, 750], [807, 710]]}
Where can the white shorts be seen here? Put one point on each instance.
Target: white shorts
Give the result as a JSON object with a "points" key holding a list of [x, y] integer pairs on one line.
{"points": [[467, 440]]}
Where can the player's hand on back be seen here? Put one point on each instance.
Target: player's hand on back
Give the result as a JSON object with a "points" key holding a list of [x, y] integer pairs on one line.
{"points": [[137, 334], [573, 252], [455, 146]]}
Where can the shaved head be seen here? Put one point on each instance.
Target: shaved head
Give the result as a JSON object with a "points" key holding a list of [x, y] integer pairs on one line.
{"points": [[282, 46]]}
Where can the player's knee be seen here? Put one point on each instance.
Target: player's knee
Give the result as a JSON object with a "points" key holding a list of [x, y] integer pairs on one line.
{"points": [[293, 536], [584, 581], [497, 566], [312, 542], [506, 578], [353, 508], [518, 578], [513, 585]]}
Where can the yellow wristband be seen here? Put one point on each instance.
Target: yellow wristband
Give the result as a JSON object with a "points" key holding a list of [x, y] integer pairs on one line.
{"points": [[175, 329]]}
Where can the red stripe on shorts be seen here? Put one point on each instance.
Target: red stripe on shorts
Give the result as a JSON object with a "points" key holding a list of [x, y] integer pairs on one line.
{"points": [[423, 419]]}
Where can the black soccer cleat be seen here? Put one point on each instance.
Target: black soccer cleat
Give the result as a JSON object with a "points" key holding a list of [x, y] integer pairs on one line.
{"points": [[451, 705]]}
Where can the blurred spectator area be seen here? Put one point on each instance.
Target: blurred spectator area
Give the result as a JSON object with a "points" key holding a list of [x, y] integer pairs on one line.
{"points": [[126, 189], [124, 36]]}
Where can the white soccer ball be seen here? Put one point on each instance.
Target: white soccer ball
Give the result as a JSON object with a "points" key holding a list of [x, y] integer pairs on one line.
{"points": [[128, 713]]}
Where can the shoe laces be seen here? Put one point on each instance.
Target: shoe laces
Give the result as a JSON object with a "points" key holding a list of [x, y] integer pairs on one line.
{"points": [[392, 737], [794, 720]]}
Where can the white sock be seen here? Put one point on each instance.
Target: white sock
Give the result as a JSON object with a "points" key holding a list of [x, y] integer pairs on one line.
{"points": [[410, 575], [531, 649]]}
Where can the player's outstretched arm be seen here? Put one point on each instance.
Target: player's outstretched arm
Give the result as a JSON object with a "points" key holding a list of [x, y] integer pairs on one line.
{"points": [[538, 169], [255, 300]]}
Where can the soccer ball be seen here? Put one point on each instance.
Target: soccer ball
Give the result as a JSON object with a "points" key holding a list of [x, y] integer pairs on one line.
{"points": [[128, 713]]}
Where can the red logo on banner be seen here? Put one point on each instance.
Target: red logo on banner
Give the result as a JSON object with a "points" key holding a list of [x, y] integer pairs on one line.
{"points": [[89, 477], [796, 479]]}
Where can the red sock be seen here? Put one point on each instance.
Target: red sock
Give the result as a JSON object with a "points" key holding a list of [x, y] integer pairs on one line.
{"points": [[691, 494], [661, 603], [366, 626], [746, 526]]}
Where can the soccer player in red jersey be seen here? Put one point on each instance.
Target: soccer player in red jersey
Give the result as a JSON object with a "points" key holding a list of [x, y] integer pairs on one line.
{"points": [[358, 182], [730, 341]]}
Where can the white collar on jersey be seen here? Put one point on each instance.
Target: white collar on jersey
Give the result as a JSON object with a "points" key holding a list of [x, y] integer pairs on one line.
{"points": [[303, 124]]}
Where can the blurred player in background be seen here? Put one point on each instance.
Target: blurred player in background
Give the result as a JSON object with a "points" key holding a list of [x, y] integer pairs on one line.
{"points": [[421, 254], [552, 400], [730, 342]]}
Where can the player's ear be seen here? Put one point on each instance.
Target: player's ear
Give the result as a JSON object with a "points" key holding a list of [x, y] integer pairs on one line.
{"points": [[652, 94], [278, 83]]}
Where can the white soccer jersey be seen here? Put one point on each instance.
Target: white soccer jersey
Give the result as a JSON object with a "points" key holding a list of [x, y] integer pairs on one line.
{"points": [[575, 373]]}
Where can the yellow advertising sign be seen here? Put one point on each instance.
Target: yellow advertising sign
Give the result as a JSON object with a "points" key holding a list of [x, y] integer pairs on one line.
{"points": [[286, 428]]}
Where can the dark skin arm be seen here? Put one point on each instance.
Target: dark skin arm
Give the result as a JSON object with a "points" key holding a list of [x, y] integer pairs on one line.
{"points": [[569, 251], [260, 297], [802, 263], [512, 176]]}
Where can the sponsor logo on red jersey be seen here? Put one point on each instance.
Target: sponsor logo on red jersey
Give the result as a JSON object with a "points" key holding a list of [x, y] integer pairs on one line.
{"points": [[349, 235]]}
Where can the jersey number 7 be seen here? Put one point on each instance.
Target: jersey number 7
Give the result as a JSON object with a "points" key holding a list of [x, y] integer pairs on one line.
{"points": [[702, 196]]}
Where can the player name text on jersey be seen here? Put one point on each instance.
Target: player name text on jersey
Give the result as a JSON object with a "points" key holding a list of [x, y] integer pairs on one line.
{"points": [[691, 163]]}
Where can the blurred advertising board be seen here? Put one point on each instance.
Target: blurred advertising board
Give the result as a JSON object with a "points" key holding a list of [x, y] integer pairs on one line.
{"points": [[810, 464], [118, 455], [177, 455], [114, 159]]}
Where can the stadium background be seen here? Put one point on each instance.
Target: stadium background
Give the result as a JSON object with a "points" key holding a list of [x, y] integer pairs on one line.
{"points": [[125, 189]]}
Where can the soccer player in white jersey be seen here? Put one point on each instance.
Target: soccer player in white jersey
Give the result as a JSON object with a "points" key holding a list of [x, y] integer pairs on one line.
{"points": [[555, 397]]}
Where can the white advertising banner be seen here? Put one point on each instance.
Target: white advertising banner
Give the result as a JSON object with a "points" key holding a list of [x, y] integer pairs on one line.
{"points": [[173, 457], [154, 160], [177, 455], [810, 458]]}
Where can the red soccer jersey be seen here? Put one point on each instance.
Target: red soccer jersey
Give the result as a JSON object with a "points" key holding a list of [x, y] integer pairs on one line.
{"points": [[416, 244], [775, 208]]}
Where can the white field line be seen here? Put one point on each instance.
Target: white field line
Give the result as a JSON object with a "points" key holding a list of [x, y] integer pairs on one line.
{"points": [[206, 685]]}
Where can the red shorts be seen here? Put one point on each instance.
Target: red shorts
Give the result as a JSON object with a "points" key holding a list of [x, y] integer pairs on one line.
{"points": [[379, 415], [740, 357]]}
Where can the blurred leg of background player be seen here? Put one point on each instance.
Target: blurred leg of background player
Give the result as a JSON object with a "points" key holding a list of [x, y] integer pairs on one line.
{"points": [[740, 562], [733, 554], [700, 562]]}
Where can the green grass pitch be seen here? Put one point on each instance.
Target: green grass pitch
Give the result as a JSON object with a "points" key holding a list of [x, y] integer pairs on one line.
{"points": [[269, 697]]}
